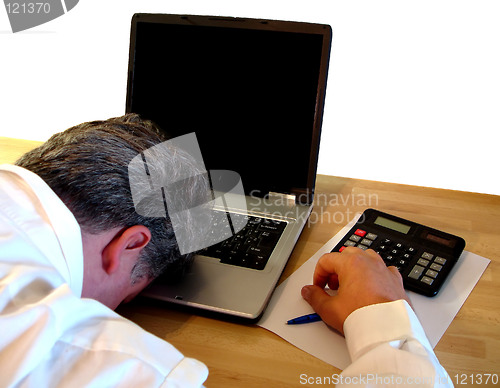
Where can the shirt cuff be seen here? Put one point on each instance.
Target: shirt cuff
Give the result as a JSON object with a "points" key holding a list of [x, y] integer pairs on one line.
{"points": [[372, 325], [189, 373]]}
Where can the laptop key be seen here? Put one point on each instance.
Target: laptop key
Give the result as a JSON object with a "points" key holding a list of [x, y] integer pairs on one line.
{"points": [[258, 261], [251, 247], [270, 225], [268, 239], [233, 258], [259, 250]]}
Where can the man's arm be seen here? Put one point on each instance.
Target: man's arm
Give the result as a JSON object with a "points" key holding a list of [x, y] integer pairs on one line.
{"points": [[386, 342]]}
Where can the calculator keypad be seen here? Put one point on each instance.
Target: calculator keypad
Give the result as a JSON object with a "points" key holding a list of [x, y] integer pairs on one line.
{"points": [[424, 267]]}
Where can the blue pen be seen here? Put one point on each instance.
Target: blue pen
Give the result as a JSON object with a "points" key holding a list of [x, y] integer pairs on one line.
{"points": [[304, 319]]}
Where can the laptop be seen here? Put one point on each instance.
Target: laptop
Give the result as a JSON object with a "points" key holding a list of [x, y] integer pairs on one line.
{"points": [[253, 92]]}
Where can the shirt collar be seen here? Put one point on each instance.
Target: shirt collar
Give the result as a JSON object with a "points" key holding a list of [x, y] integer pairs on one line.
{"points": [[66, 229]]}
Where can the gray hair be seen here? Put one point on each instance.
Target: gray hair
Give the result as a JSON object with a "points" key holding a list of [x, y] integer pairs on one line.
{"points": [[87, 167]]}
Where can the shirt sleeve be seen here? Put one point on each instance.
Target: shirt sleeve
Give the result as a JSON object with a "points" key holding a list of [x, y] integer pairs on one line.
{"points": [[388, 347]]}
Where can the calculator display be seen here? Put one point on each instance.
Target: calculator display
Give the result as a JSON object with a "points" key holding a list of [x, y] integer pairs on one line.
{"points": [[393, 225], [440, 240]]}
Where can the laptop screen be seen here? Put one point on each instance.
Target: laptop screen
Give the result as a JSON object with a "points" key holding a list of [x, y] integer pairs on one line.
{"points": [[252, 90]]}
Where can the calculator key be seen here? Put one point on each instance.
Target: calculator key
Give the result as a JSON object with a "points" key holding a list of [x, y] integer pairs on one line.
{"points": [[416, 272], [342, 248], [360, 232], [354, 238], [349, 243], [427, 255], [363, 247], [436, 267], [427, 280], [440, 260], [371, 236], [366, 242], [423, 262], [431, 273]]}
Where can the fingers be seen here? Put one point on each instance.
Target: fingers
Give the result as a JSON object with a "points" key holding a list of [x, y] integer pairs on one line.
{"points": [[361, 278], [394, 270], [331, 264], [315, 296], [396, 274], [326, 271], [324, 305]]}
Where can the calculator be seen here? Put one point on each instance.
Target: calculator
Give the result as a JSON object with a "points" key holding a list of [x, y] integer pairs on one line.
{"points": [[424, 256]]}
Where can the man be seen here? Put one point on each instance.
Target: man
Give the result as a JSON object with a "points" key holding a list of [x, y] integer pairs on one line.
{"points": [[72, 248]]}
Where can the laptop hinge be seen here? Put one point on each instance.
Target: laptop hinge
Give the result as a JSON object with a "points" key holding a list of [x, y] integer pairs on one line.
{"points": [[285, 198]]}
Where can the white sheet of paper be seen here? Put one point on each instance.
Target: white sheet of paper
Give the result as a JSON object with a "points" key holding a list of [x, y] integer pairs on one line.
{"points": [[318, 339]]}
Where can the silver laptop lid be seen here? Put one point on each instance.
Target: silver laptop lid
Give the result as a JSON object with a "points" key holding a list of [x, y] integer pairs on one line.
{"points": [[252, 90]]}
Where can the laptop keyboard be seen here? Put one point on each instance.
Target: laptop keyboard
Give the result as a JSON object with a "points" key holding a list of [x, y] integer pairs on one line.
{"points": [[252, 246]]}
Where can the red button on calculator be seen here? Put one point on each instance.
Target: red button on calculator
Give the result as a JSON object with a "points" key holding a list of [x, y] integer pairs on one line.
{"points": [[360, 232]]}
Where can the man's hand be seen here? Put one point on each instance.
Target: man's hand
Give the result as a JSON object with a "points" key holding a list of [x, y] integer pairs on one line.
{"points": [[361, 278]]}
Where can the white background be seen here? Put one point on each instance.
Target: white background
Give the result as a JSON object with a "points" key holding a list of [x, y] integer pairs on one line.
{"points": [[413, 94]]}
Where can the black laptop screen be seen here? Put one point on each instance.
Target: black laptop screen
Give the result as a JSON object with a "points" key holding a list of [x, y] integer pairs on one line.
{"points": [[250, 95]]}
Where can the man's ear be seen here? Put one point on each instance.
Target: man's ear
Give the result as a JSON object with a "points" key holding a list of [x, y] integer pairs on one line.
{"points": [[126, 245]]}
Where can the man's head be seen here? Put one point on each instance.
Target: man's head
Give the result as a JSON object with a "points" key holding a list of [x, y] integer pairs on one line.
{"points": [[87, 167]]}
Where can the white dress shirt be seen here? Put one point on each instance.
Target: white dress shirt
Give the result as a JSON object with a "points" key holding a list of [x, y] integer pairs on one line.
{"points": [[50, 336], [388, 347]]}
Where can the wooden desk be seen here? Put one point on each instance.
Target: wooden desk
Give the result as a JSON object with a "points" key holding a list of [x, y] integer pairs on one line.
{"points": [[248, 356]]}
